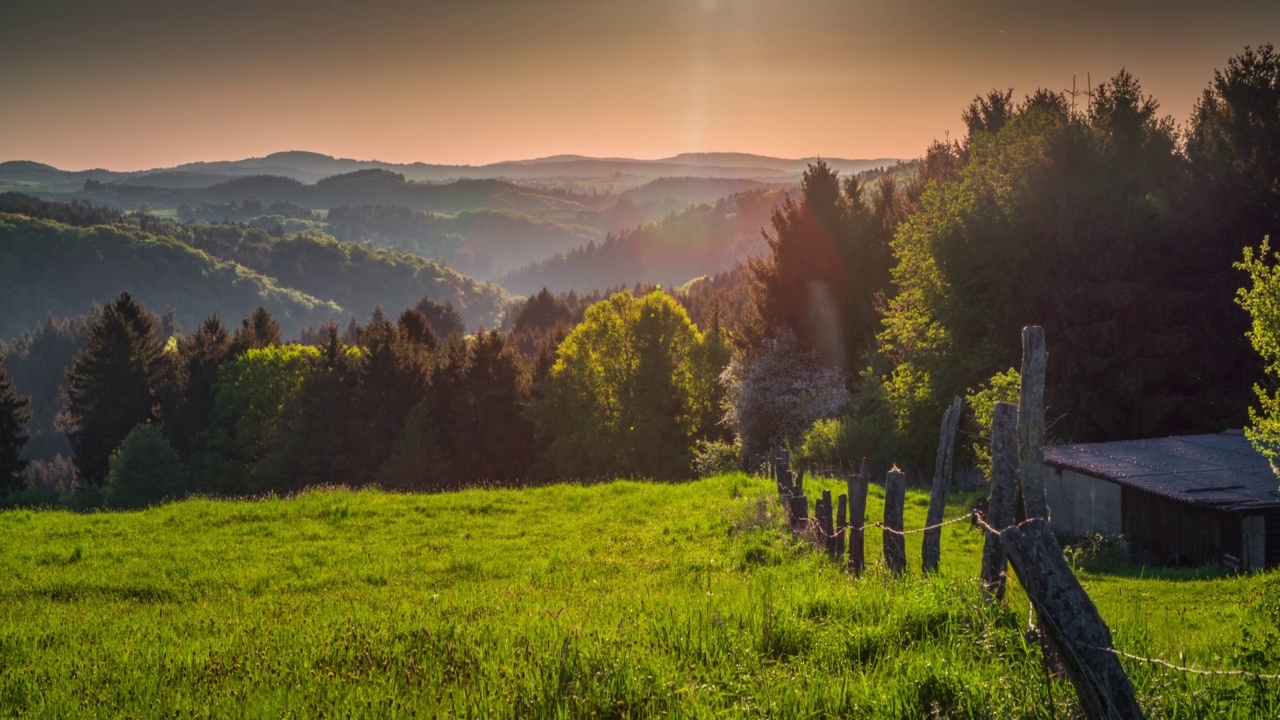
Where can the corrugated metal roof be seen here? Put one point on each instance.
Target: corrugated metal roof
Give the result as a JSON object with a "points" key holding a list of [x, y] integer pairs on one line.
{"points": [[1221, 471]]}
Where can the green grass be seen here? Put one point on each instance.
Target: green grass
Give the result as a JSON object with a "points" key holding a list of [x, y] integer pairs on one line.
{"points": [[617, 600]]}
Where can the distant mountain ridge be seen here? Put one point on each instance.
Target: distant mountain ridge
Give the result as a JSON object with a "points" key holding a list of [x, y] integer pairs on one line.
{"points": [[310, 167]]}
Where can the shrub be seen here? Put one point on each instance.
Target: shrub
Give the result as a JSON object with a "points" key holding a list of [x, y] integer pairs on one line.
{"points": [[144, 470], [714, 457]]}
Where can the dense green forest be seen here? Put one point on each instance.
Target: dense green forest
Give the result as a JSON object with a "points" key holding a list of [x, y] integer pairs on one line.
{"points": [[871, 303]]}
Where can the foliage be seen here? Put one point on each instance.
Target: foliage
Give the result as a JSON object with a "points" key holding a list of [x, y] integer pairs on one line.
{"points": [[479, 388], [775, 393], [49, 268], [828, 263], [115, 384], [1261, 299], [37, 362], [825, 443], [251, 392], [1002, 387], [715, 457], [1062, 221], [145, 470], [13, 434], [629, 392]]}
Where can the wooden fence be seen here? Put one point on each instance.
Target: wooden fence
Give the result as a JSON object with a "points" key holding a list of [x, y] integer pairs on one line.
{"points": [[1073, 637]]}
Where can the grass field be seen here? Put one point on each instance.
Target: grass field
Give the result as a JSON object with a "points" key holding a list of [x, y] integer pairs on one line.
{"points": [[617, 600]]}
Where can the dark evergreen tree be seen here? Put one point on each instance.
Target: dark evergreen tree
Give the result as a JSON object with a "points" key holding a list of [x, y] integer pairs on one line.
{"points": [[828, 263], [417, 330], [393, 377], [37, 363], [189, 409], [115, 384], [442, 318], [476, 398], [13, 435], [259, 330]]}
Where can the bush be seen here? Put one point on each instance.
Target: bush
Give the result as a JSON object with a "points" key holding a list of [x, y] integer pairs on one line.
{"points": [[1002, 387], [825, 443], [144, 470], [714, 457]]}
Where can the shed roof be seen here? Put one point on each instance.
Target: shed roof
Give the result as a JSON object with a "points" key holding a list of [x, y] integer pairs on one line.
{"points": [[1222, 471]]}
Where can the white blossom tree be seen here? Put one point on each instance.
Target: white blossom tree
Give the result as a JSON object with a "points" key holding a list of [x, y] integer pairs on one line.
{"points": [[774, 394]]}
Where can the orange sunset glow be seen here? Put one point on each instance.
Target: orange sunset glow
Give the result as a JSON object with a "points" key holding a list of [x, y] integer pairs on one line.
{"points": [[140, 83]]}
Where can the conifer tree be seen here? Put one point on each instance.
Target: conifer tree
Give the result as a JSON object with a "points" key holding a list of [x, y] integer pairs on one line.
{"points": [[190, 407], [259, 330], [13, 434], [443, 318], [114, 385]]}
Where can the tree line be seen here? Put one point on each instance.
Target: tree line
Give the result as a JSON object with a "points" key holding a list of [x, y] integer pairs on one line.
{"points": [[406, 404]]}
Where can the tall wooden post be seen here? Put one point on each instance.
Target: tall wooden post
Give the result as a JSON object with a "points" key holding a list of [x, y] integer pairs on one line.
{"points": [[941, 480], [895, 545], [1031, 425], [823, 513], [857, 486], [1004, 478], [1071, 622], [842, 525]]}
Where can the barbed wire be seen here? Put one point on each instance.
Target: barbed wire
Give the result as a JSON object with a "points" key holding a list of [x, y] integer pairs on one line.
{"points": [[814, 527], [1150, 660], [1182, 668]]}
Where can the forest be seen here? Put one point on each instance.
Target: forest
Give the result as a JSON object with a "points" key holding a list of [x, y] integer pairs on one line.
{"points": [[867, 302]]}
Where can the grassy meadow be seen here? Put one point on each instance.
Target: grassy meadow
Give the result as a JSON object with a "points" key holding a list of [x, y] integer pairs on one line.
{"points": [[615, 600]]}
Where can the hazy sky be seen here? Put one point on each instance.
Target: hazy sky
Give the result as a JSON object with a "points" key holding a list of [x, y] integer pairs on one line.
{"points": [[134, 84]]}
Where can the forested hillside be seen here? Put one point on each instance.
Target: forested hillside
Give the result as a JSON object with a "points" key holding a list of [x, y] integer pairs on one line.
{"points": [[701, 240], [60, 259], [47, 267], [483, 243]]}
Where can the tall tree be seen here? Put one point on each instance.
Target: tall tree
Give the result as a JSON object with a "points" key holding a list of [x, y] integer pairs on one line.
{"points": [[827, 267], [258, 330], [13, 435], [189, 409], [115, 384], [623, 398], [442, 317]]}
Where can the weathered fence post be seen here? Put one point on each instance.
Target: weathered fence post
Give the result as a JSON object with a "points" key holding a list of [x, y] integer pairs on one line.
{"points": [[1004, 479], [1031, 425], [895, 545], [941, 479], [823, 512], [842, 524], [857, 486], [1071, 622]]}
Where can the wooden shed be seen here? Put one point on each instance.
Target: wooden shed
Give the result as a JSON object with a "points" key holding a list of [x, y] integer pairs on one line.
{"points": [[1188, 500]]}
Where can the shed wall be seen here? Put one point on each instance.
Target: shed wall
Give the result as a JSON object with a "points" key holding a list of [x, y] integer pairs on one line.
{"points": [[1080, 504], [1177, 533]]}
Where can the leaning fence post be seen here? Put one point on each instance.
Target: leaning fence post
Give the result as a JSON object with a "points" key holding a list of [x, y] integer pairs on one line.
{"points": [[837, 543], [941, 479], [1071, 622], [1031, 425], [895, 545], [1004, 478], [857, 486]]}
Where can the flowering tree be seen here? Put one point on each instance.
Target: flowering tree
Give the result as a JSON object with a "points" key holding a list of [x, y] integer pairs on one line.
{"points": [[774, 394]]}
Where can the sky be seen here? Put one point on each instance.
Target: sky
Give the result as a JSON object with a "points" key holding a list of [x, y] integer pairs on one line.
{"points": [[135, 84]]}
